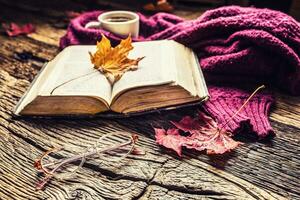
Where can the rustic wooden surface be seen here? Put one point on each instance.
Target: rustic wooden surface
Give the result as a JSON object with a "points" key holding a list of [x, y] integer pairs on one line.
{"points": [[267, 169]]}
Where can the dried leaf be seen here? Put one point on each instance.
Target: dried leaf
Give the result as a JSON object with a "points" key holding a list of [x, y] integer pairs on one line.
{"points": [[170, 139], [113, 62], [204, 134], [13, 29]]}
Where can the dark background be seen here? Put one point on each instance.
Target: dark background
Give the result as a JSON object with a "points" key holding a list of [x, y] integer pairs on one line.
{"points": [[291, 7]]}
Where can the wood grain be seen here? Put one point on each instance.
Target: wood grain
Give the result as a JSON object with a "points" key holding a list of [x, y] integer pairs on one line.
{"points": [[287, 110], [272, 164], [268, 169], [24, 140]]}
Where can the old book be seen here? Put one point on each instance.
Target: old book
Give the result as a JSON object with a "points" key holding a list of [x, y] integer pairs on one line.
{"points": [[168, 76]]}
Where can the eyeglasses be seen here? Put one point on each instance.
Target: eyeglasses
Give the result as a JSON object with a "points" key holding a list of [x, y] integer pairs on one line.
{"points": [[111, 147]]}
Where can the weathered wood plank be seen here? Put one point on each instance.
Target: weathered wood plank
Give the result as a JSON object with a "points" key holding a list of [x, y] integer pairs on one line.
{"points": [[23, 57], [45, 30], [192, 174], [287, 110], [18, 177], [272, 165], [155, 167], [157, 192]]}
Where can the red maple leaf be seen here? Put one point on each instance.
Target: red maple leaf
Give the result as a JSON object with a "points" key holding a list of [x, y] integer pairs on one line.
{"points": [[13, 29], [170, 139], [203, 134]]}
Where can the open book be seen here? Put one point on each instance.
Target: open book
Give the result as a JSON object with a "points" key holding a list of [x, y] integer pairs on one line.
{"points": [[169, 75]]}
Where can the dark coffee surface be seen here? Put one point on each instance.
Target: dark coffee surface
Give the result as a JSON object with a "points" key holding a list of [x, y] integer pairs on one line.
{"points": [[118, 19]]}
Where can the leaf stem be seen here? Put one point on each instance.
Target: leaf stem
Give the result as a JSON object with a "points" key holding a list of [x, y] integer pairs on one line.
{"points": [[73, 79], [244, 104]]}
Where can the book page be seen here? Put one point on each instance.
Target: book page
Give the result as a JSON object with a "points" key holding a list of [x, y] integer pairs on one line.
{"points": [[199, 80], [184, 57], [156, 68], [189, 74], [75, 75]]}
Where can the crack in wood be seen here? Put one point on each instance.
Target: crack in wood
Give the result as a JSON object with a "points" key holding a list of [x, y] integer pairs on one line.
{"points": [[25, 56], [264, 169]]}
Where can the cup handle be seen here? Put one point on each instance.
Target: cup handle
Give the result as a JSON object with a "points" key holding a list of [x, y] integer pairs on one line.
{"points": [[93, 25]]}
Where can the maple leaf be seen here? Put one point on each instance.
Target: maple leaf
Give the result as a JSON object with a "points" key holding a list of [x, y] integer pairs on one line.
{"points": [[113, 62], [13, 29], [170, 139], [203, 134]]}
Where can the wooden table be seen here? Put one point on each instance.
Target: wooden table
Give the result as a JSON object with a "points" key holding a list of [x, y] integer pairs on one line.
{"points": [[267, 169]]}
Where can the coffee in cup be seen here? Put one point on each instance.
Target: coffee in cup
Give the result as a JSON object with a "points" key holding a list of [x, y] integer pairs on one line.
{"points": [[121, 23]]}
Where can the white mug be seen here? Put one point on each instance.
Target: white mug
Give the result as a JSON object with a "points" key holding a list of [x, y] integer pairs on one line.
{"points": [[120, 23]]}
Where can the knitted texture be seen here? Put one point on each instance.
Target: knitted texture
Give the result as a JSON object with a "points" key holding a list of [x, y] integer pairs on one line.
{"points": [[235, 45], [225, 101]]}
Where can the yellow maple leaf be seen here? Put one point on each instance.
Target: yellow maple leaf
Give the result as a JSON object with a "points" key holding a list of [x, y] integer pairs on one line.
{"points": [[113, 61]]}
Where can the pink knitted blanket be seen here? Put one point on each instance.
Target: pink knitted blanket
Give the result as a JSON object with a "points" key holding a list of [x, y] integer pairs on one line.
{"points": [[236, 47]]}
